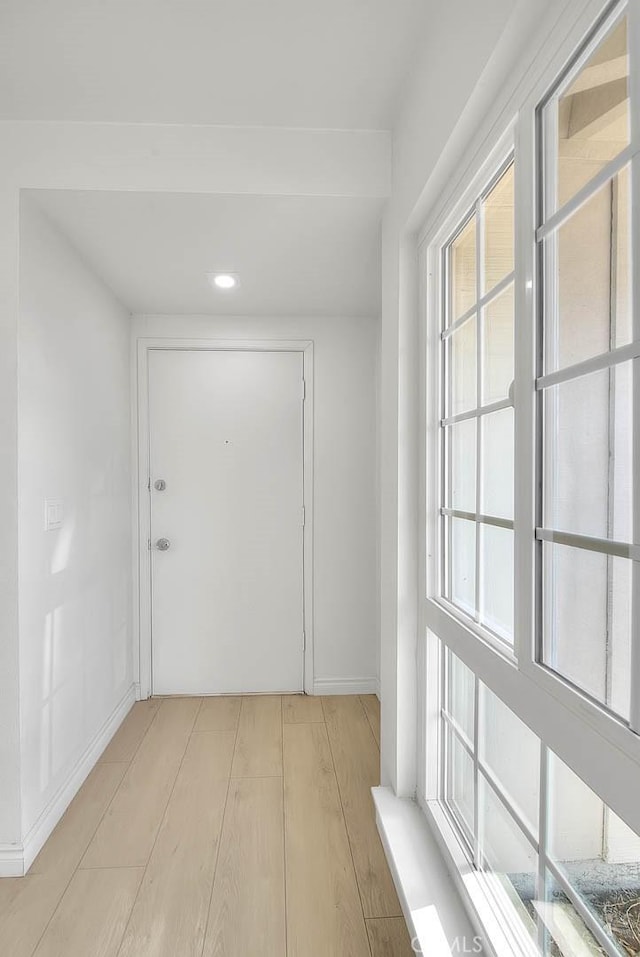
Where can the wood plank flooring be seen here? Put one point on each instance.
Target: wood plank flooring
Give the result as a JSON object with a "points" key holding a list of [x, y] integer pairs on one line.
{"points": [[356, 766], [218, 827]]}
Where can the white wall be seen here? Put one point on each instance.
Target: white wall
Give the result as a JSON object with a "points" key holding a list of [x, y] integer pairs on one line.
{"points": [[74, 445], [345, 571], [9, 668]]}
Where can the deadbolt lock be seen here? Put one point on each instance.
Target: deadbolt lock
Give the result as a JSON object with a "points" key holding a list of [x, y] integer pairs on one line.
{"points": [[159, 485]]}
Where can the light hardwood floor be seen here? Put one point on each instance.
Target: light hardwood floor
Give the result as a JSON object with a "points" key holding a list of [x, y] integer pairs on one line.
{"points": [[218, 827]]}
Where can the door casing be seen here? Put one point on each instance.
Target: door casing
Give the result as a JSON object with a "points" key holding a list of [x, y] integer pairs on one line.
{"points": [[141, 497]]}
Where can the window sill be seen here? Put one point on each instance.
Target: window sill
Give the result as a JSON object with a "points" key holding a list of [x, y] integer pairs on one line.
{"points": [[437, 920], [487, 908]]}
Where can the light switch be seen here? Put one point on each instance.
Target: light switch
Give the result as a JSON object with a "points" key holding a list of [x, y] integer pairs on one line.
{"points": [[53, 514]]}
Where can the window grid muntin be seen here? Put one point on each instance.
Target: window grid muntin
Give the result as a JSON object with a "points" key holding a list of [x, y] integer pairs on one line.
{"points": [[547, 133], [447, 329], [464, 832], [477, 413], [485, 300], [546, 240], [449, 726], [546, 863], [546, 233]]}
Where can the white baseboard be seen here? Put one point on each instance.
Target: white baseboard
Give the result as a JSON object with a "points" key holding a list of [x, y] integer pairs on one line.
{"points": [[16, 859], [11, 860], [344, 686]]}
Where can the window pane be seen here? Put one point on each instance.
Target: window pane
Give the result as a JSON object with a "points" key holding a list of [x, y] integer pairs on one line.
{"points": [[462, 438], [598, 854], [507, 853], [593, 253], [497, 464], [589, 468], [568, 934], [592, 115], [511, 751], [463, 564], [462, 266], [463, 348], [496, 580], [587, 621], [497, 348], [460, 781], [461, 693], [498, 231]]}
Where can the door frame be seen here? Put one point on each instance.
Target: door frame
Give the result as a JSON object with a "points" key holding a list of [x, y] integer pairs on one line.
{"points": [[142, 625]]}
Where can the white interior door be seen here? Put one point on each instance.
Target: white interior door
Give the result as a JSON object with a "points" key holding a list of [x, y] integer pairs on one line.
{"points": [[226, 436]]}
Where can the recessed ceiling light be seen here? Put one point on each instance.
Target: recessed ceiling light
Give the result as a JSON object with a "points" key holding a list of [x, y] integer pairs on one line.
{"points": [[224, 280]]}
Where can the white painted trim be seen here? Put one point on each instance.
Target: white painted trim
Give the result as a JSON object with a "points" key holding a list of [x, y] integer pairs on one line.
{"points": [[436, 918], [141, 505], [16, 859], [11, 860], [346, 686]]}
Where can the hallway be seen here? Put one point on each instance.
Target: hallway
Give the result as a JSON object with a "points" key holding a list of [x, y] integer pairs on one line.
{"points": [[218, 826]]}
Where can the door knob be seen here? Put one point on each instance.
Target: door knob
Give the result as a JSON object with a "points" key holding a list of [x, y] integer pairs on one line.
{"points": [[163, 544]]}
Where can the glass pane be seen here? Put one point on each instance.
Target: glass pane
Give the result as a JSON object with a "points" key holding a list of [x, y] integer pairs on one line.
{"points": [[593, 256], [463, 565], [588, 455], [462, 266], [507, 853], [461, 694], [592, 114], [496, 580], [463, 348], [568, 935], [511, 751], [497, 464], [598, 854], [459, 780], [462, 439], [498, 231], [497, 348], [587, 621]]}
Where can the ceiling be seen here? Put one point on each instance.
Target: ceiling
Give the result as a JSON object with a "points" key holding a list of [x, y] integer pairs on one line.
{"points": [[334, 64], [296, 256]]}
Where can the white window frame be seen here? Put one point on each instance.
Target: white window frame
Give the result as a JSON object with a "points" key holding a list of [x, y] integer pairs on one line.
{"points": [[538, 840], [546, 225], [432, 263], [598, 716], [482, 301], [593, 742]]}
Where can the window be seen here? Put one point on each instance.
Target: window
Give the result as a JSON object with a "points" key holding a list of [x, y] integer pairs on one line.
{"points": [[477, 428], [585, 374], [530, 669], [562, 868]]}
